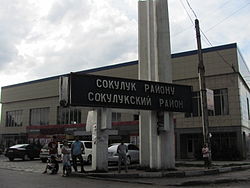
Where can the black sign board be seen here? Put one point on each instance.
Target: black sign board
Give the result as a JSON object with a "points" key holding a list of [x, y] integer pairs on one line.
{"points": [[111, 92]]}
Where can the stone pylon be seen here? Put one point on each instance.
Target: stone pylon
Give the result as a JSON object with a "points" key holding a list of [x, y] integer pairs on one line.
{"points": [[157, 149]]}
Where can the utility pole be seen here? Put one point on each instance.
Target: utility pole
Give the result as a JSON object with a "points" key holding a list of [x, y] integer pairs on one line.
{"points": [[203, 91]]}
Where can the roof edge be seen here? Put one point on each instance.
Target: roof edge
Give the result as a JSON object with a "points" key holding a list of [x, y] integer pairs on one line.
{"points": [[175, 55], [205, 50]]}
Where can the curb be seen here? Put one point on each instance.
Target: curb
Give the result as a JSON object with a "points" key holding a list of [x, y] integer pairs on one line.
{"points": [[218, 181], [173, 174], [131, 178]]}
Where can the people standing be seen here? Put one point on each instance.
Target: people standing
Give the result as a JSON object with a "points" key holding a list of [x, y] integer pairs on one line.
{"points": [[206, 154], [77, 149], [53, 152], [122, 153], [66, 158]]}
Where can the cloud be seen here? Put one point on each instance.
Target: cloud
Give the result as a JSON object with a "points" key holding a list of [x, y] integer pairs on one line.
{"points": [[42, 38], [13, 28]]}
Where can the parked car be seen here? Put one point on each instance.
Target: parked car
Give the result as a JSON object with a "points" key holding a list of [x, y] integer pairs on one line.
{"points": [[132, 154], [23, 151], [44, 153], [1, 150], [87, 155]]}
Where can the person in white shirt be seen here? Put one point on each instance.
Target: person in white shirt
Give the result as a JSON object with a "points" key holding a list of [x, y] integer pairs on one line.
{"points": [[206, 154], [66, 158]]}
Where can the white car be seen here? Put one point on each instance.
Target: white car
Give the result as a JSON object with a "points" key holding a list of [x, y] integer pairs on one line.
{"points": [[44, 153], [87, 155], [132, 154]]}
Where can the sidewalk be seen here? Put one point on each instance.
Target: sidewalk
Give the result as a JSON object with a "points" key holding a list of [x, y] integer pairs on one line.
{"points": [[185, 173]]}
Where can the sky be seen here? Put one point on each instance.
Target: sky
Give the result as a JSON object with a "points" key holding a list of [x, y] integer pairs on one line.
{"points": [[44, 38]]}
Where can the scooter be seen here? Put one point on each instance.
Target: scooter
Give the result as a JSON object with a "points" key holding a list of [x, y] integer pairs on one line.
{"points": [[52, 165]]}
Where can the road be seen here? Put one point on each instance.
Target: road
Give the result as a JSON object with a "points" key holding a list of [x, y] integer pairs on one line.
{"points": [[25, 174], [28, 174], [22, 179]]}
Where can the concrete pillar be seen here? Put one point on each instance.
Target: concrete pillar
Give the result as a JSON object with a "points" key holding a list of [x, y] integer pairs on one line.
{"points": [[101, 124], [143, 75], [155, 65]]}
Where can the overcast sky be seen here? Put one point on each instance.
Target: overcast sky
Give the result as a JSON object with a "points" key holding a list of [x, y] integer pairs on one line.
{"points": [[43, 38]]}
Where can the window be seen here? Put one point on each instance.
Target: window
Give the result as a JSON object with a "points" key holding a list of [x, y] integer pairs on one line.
{"points": [[221, 102], [221, 106], [196, 104], [116, 116], [132, 147], [68, 115], [14, 118], [136, 117], [39, 116], [88, 145]]}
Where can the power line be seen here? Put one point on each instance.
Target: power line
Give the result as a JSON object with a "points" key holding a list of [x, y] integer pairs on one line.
{"points": [[191, 9], [244, 6], [222, 5], [219, 54], [174, 35], [187, 12], [215, 10]]}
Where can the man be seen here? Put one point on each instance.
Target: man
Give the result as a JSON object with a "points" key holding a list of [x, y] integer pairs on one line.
{"points": [[122, 153], [53, 152], [77, 149], [53, 147]]}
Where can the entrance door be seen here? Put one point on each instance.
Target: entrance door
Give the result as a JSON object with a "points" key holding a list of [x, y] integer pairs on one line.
{"points": [[190, 148]]}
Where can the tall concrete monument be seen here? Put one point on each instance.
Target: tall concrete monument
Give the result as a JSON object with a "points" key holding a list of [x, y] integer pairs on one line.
{"points": [[153, 94], [157, 149]]}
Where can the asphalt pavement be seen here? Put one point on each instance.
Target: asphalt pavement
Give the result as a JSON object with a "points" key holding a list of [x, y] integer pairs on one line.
{"points": [[186, 173]]}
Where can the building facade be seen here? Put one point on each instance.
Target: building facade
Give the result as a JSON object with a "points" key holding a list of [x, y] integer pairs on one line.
{"points": [[31, 110]]}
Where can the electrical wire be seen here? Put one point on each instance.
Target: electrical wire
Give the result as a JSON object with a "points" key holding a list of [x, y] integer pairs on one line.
{"points": [[244, 6], [209, 13], [219, 54], [187, 12], [222, 5], [207, 40], [174, 35], [191, 9]]}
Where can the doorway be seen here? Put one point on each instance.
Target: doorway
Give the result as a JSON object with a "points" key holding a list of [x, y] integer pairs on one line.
{"points": [[190, 148]]}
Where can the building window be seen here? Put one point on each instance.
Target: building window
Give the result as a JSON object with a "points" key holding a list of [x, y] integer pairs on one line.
{"points": [[196, 104], [221, 106], [116, 116], [136, 117], [14, 118], [39, 116], [68, 115]]}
